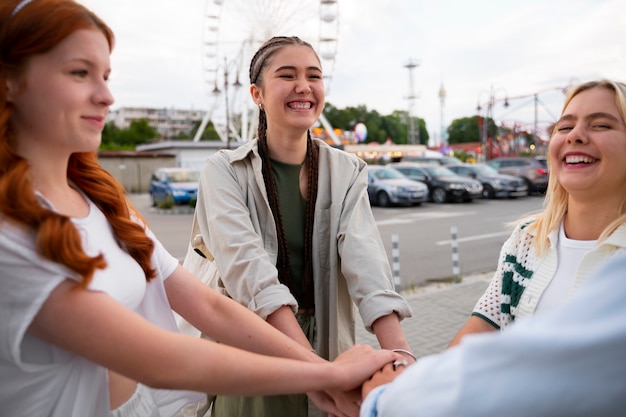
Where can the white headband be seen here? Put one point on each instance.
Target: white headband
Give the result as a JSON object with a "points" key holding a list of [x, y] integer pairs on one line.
{"points": [[19, 7]]}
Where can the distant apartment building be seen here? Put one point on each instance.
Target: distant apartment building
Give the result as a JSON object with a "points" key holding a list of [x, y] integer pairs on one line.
{"points": [[168, 122]]}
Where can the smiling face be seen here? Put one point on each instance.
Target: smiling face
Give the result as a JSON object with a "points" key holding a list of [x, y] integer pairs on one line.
{"points": [[588, 150], [61, 100], [292, 90]]}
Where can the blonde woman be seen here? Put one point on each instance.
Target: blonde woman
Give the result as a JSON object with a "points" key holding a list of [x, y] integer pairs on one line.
{"points": [[550, 255]]}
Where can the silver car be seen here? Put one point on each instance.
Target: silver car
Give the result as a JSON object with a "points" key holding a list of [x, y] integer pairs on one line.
{"points": [[494, 183], [533, 171], [386, 186], [444, 185]]}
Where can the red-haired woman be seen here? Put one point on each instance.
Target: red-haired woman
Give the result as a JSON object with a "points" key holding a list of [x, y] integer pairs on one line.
{"points": [[86, 290]]}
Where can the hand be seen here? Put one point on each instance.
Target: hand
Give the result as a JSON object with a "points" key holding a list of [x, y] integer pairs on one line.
{"points": [[324, 402], [383, 376], [358, 363], [348, 402], [338, 403]]}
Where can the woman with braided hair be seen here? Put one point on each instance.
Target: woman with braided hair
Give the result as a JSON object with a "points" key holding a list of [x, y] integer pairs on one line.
{"points": [[86, 290], [283, 225]]}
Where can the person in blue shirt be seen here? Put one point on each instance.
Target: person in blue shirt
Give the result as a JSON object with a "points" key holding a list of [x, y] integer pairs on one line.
{"points": [[569, 362]]}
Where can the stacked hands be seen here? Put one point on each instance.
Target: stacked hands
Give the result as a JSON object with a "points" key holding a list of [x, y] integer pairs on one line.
{"points": [[364, 368], [388, 372]]}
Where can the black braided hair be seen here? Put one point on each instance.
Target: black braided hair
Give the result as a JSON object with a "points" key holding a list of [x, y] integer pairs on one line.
{"points": [[258, 64]]}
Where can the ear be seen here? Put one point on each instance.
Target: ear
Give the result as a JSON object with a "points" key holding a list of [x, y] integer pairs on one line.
{"points": [[11, 88], [255, 92]]}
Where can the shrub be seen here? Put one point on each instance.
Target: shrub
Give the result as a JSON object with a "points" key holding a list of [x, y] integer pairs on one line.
{"points": [[167, 203]]}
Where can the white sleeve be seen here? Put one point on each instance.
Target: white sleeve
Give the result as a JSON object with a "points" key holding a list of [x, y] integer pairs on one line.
{"points": [[26, 280], [162, 260]]}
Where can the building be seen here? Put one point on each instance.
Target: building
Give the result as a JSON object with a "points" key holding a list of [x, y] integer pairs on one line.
{"points": [[376, 153], [186, 153], [168, 122], [132, 169]]}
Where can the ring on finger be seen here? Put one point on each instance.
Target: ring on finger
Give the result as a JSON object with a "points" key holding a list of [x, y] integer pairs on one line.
{"points": [[398, 363]]}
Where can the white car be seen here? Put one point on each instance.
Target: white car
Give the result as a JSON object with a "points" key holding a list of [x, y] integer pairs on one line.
{"points": [[386, 187]]}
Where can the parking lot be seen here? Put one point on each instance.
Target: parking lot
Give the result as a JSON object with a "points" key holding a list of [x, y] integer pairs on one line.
{"points": [[423, 233]]}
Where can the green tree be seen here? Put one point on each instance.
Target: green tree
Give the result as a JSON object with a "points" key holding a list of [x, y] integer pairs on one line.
{"points": [[344, 119], [108, 135], [137, 133], [469, 129], [209, 132], [424, 136], [379, 127], [401, 125], [396, 127], [375, 128]]}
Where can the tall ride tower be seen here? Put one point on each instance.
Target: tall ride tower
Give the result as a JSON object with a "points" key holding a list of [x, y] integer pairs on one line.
{"points": [[413, 133]]}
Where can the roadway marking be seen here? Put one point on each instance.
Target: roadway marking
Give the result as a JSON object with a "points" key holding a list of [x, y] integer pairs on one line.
{"points": [[415, 217], [477, 237]]}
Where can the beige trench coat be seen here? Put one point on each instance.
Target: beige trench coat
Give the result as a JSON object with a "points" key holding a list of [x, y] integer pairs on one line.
{"points": [[234, 227]]}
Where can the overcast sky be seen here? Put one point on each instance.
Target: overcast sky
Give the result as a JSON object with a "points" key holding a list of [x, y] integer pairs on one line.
{"points": [[517, 47]]}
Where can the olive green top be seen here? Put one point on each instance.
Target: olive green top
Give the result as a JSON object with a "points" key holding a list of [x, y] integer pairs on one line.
{"points": [[293, 212]]}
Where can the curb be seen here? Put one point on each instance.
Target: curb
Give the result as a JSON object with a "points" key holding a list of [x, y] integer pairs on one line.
{"points": [[437, 286], [173, 210]]}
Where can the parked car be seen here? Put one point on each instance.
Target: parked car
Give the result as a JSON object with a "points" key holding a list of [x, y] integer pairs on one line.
{"points": [[386, 186], [180, 185], [494, 183], [439, 160], [532, 170], [543, 159], [443, 184]]}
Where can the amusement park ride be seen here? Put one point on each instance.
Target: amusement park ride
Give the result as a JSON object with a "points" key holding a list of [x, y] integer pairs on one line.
{"points": [[233, 31]]}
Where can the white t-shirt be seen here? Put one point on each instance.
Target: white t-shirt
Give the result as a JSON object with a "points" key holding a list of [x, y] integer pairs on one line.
{"points": [[570, 253], [39, 379]]}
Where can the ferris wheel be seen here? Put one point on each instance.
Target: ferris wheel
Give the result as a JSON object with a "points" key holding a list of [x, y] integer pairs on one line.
{"points": [[233, 31]]}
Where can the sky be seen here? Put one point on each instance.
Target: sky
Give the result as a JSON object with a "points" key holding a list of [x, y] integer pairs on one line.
{"points": [[477, 50]]}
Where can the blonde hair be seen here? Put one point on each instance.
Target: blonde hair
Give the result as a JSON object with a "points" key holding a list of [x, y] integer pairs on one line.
{"points": [[555, 202]]}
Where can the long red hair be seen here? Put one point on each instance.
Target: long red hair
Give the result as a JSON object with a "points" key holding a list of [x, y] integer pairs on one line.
{"points": [[36, 28]]}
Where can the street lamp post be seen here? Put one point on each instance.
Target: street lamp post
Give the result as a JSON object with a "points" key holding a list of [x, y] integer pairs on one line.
{"points": [[226, 102], [536, 103], [236, 85], [489, 115], [491, 100], [216, 93]]}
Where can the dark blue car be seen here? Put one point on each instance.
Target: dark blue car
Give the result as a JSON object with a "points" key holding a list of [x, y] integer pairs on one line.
{"points": [[179, 185]]}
